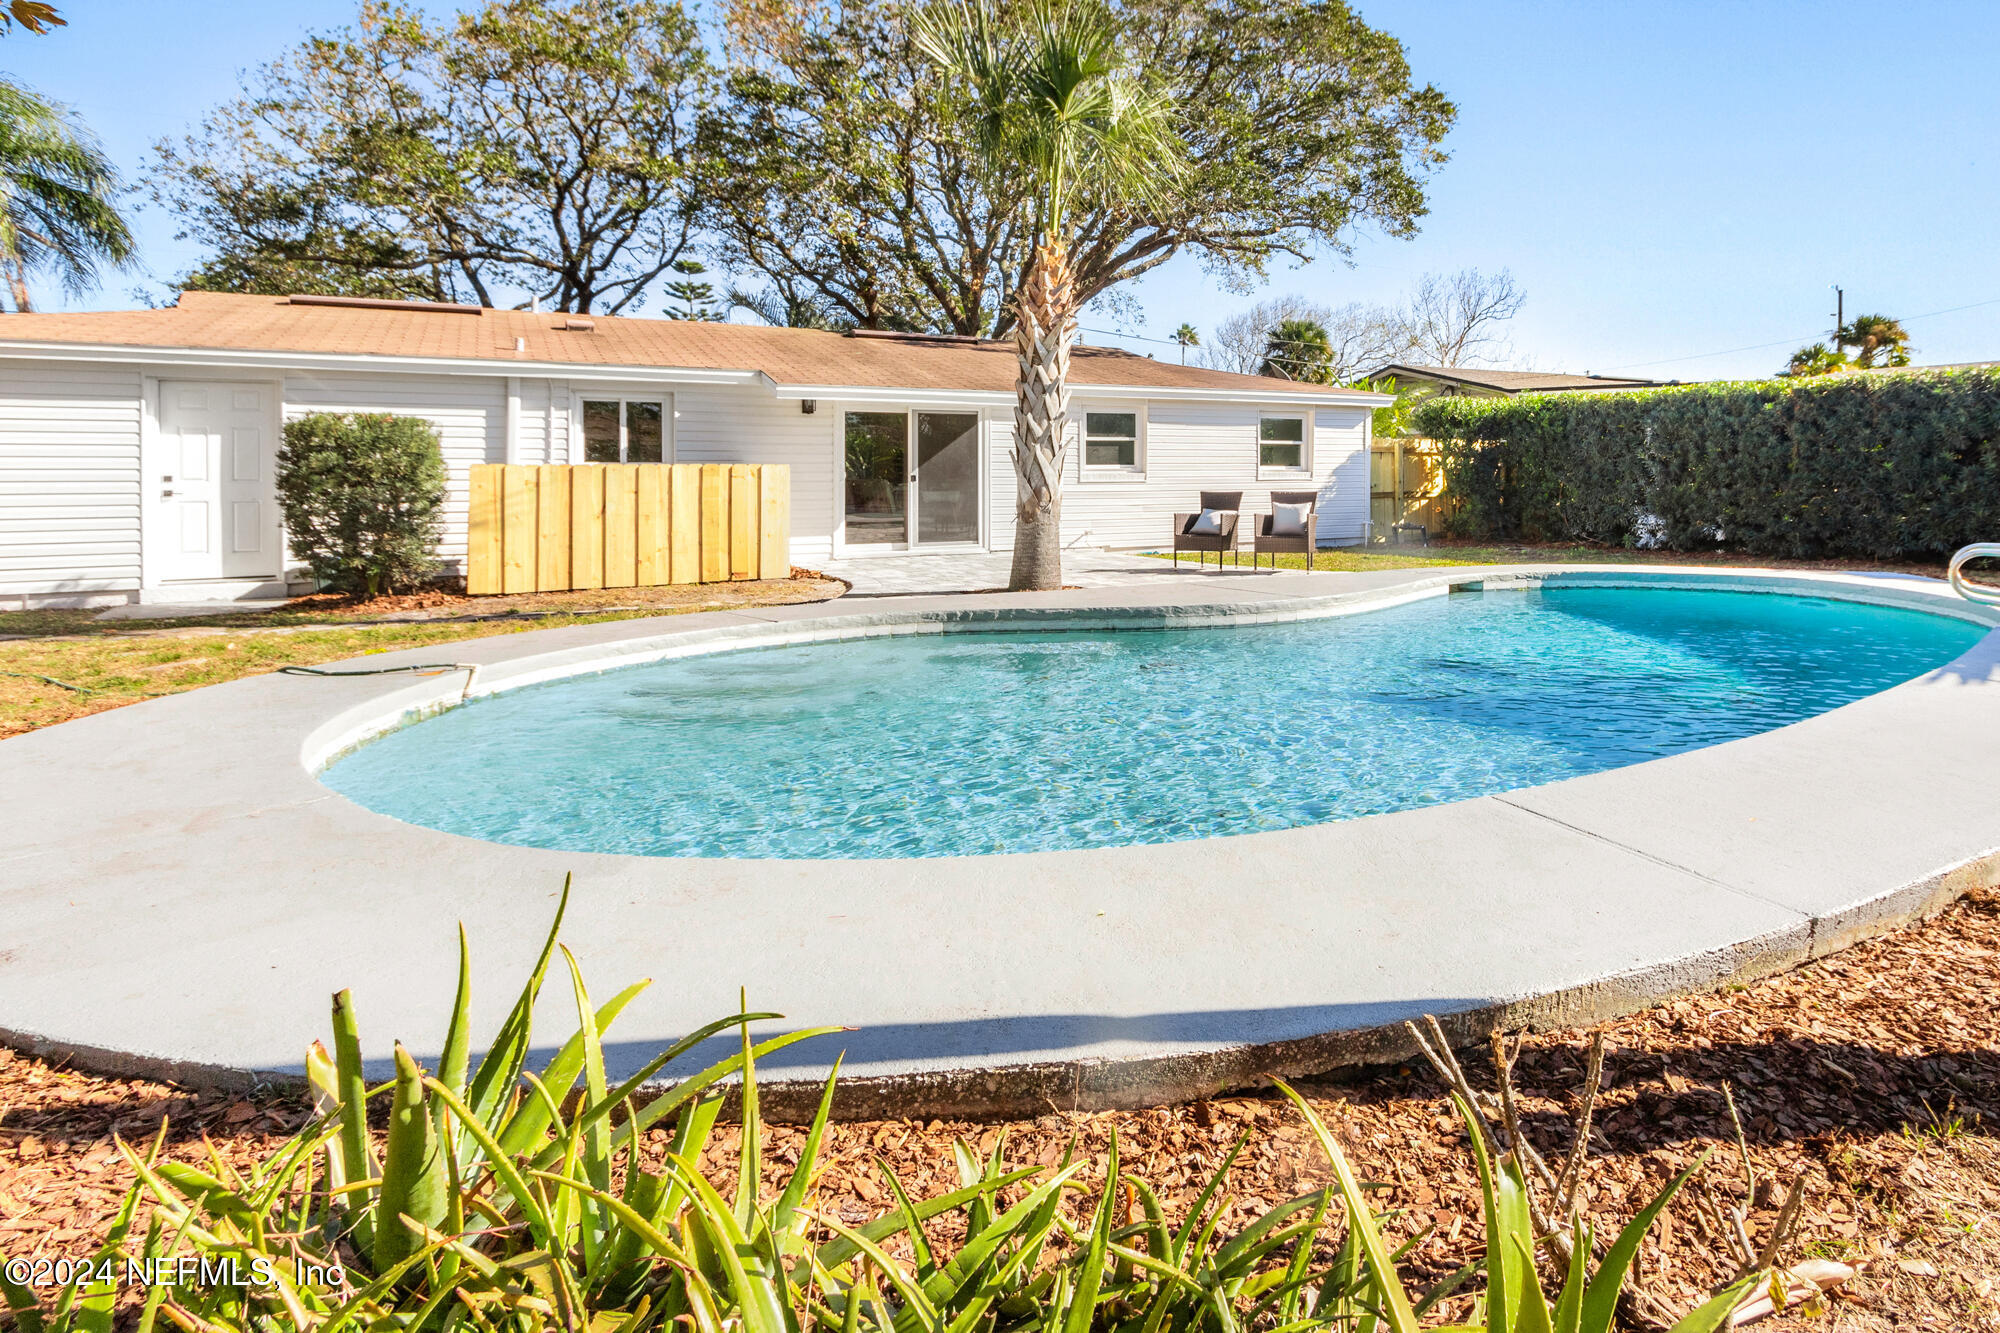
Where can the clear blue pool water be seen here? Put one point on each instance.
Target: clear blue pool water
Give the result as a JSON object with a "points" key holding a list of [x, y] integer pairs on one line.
{"points": [[943, 745]]}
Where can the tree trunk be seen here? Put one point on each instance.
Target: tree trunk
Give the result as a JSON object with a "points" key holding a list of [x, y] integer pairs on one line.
{"points": [[17, 281], [1041, 414]]}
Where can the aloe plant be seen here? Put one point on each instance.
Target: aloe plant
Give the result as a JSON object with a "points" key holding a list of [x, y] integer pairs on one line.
{"points": [[1514, 1301]]}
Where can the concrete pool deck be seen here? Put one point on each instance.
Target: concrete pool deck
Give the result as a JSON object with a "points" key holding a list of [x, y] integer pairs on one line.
{"points": [[181, 896]]}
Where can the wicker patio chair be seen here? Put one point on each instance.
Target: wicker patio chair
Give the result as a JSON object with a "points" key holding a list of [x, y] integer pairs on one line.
{"points": [[1301, 543], [1226, 504]]}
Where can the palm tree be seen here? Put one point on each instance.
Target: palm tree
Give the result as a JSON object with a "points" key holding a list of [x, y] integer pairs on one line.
{"points": [[1815, 359], [56, 189], [1298, 349], [1187, 336], [1053, 102], [1873, 337]]}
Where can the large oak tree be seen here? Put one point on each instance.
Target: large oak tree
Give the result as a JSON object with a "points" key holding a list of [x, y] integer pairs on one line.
{"points": [[525, 149], [847, 181]]}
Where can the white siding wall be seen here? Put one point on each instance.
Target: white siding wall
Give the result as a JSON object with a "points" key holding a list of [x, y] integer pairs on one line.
{"points": [[745, 424], [468, 411], [542, 425], [1188, 448], [70, 466], [69, 479], [713, 424], [1340, 460]]}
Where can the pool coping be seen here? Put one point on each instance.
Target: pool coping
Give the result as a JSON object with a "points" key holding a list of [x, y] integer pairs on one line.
{"points": [[185, 825]]}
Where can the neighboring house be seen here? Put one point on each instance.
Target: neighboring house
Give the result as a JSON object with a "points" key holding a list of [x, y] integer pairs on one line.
{"points": [[1473, 381], [137, 447]]}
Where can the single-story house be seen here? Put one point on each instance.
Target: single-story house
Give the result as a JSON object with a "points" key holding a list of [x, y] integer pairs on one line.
{"points": [[137, 447], [1477, 382]]}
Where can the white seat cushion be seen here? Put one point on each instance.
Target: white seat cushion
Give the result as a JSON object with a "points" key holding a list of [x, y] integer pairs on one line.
{"points": [[1289, 520], [1208, 523]]}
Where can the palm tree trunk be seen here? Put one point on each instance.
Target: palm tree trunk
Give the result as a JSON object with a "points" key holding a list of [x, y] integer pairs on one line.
{"points": [[1041, 413]]}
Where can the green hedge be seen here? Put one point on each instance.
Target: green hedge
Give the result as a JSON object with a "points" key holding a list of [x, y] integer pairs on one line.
{"points": [[1881, 466]]}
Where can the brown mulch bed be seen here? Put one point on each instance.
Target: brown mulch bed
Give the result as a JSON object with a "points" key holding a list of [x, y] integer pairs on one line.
{"points": [[1874, 1075]]}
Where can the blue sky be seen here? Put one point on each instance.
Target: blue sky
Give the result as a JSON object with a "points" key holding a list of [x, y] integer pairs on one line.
{"points": [[1668, 182]]}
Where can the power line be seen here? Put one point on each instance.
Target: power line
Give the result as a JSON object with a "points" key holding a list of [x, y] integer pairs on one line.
{"points": [[1307, 362], [1786, 342], [1135, 337]]}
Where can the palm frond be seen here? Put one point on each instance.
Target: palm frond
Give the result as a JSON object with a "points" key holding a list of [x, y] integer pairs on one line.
{"points": [[1054, 97], [57, 192]]}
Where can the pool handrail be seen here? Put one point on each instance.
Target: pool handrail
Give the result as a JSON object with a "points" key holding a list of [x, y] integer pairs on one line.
{"points": [[1973, 592]]}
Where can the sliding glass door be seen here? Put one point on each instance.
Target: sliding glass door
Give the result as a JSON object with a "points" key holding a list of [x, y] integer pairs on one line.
{"points": [[912, 478], [947, 477], [878, 452]]}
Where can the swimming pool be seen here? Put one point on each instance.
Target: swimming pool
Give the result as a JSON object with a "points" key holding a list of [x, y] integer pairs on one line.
{"points": [[936, 745]]}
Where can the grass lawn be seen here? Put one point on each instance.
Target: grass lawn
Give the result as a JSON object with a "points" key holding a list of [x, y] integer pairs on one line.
{"points": [[113, 663], [1356, 559]]}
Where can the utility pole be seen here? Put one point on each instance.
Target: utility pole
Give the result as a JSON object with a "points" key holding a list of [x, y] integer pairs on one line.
{"points": [[1839, 312]]}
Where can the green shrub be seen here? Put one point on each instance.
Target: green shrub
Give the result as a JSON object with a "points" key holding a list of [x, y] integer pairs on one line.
{"points": [[1871, 466], [363, 499], [506, 1199]]}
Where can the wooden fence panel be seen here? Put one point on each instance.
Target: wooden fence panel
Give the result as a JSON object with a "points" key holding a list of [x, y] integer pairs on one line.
{"points": [[1406, 485], [483, 543], [586, 527], [518, 522], [548, 528], [714, 523], [774, 523], [621, 524], [654, 513], [743, 509], [684, 537], [552, 527]]}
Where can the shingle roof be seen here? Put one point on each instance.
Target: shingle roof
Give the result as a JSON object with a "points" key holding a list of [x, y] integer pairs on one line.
{"points": [[220, 321], [1512, 381]]}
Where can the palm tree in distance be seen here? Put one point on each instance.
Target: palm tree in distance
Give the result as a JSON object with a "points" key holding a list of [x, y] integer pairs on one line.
{"points": [[56, 188], [1051, 100], [1815, 359], [1299, 349], [1877, 340], [1187, 336]]}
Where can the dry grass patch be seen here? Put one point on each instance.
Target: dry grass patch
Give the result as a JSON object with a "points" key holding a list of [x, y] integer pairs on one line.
{"points": [[103, 664]]}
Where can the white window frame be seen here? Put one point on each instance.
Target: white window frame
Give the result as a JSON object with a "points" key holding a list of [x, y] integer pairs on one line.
{"points": [[1304, 416], [1110, 473], [664, 401]]}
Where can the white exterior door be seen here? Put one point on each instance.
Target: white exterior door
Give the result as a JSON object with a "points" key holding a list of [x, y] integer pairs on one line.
{"points": [[218, 511]]}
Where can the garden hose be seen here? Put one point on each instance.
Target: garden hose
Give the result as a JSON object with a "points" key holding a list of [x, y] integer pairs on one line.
{"points": [[471, 670], [36, 675]]}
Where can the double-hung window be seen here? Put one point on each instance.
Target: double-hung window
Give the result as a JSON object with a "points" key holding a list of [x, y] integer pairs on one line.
{"points": [[1111, 441], [1281, 443], [624, 430]]}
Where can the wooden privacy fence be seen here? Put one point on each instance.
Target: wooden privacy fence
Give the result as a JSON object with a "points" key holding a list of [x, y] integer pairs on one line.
{"points": [[1406, 485], [622, 525]]}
